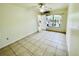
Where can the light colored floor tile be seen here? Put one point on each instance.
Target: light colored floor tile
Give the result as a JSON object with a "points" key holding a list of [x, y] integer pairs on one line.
{"points": [[38, 44], [43, 46], [7, 52], [62, 47], [25, 53], [39, 52], [14, 44], [31, 47], [50, 43], [27, 45], [25, 41], [3, 49], [50, 51], [33, 41], [60, 53], [18, 49]]}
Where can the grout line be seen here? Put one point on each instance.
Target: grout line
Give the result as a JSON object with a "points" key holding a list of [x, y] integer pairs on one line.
{"points": [[55, 42], [44, 52], [27, 49], [13, 51], [55, 51]]}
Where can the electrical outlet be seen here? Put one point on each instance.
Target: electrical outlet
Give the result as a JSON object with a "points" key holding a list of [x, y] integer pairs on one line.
{"points": [[7, 38]]}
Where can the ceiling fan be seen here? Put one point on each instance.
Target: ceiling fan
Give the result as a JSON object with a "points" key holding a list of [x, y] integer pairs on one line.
{"points": [[41, 4], [43, 8]]}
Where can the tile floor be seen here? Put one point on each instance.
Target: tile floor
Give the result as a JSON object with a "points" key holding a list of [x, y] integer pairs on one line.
{"points": [[38, 44]]}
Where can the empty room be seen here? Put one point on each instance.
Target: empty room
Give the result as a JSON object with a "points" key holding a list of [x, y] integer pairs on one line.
{"points": [[39, 29]]}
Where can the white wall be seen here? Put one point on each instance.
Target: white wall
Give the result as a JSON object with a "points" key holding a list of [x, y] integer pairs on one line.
{"points": [[73, 30], [63, 13], [15, 23]]}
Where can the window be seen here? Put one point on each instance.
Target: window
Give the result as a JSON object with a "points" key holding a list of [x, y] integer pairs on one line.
{"points": [[57, 19], [54, 20]]}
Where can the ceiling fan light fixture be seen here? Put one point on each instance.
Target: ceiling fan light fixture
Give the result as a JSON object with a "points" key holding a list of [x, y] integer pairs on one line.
{"points": [[41, 4]]}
